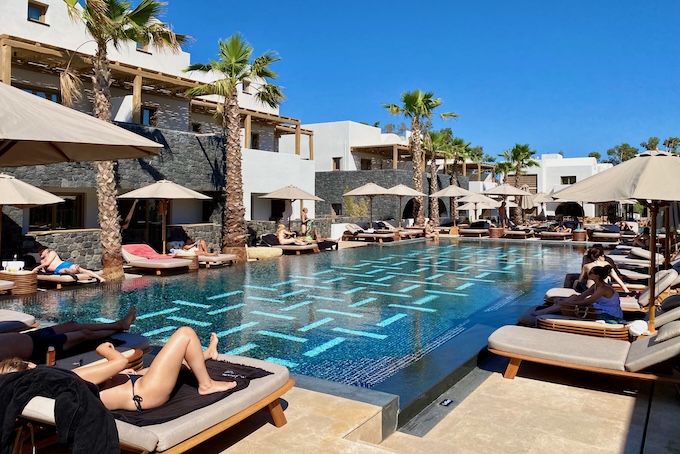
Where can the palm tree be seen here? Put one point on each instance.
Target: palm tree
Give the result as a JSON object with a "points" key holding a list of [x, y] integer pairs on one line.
{"points": [[235, 67], [113, 22], [417, 106], [519, 158], [458, 150], [435, 142]]}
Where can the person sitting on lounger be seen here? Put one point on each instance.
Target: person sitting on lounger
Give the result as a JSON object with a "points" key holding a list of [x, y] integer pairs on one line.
{"points": [[33, 345], [643, 239], [596, 257], [198, 247], [430, 231], [600, 296], [286, 237], [50, 261], [562, 228], [147, 388]]}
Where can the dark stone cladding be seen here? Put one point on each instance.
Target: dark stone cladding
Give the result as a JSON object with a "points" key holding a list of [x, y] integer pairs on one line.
{"points": [[331, 186]]}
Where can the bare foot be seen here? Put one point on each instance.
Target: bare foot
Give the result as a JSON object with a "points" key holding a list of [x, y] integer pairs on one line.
{"points": [[129, 318], [216, 387], [101, 280], [211, 351]]}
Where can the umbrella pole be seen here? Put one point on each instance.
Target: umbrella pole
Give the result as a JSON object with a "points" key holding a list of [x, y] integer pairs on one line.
{"points": [[0, 231], [667, 240], [652, 274], [399, 225], [164, 212], [370, 222]]}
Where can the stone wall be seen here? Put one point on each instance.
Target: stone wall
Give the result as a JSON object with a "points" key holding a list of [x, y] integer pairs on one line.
{"points": [[79, 246]]}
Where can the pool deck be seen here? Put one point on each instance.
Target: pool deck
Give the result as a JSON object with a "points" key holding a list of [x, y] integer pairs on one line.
{"points": [[542, 410]]}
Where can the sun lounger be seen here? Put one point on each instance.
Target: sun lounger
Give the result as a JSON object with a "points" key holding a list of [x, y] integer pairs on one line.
{"points": [[209, 260], [6, 286], [555, 236], [605, 236], [407, 233], [607, 356], [473, 232], [59, 280], [125, 342], [519, 234], [151, 259], [14, 321], [186, 431], [270, 240]]}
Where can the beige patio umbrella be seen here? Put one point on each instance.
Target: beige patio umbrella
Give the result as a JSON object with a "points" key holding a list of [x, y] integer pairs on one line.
{"points": [[526, 202], [402, 191], [36, 131], [479, 201], [369, 190], [454, 192], [291, 193], [164, 190], [504, 190], [19, 194], [650, 177], [542, 198]]}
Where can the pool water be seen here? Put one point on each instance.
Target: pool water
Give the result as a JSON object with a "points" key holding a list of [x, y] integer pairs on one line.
{"points": [[355, 316]]}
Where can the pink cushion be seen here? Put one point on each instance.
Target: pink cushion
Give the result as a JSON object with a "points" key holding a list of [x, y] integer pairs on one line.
{"points": [[143, 250]]}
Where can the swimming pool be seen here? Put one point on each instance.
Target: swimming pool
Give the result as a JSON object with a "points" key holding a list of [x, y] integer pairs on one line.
{"points": [[356, 316]]}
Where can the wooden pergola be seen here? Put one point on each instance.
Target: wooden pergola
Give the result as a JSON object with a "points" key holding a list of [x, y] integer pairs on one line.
{"points": [[396, 151], [48, 59]]}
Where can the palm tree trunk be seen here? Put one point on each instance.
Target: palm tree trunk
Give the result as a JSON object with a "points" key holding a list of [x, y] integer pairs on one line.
{"points": [[234, 231], [109, 218], [517, 211], [417, 157], [434, 187]]}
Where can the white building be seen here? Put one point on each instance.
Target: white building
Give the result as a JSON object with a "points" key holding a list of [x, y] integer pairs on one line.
{"points": [[39, 39]]}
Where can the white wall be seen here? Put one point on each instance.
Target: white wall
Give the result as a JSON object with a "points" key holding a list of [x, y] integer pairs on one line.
{"points": [[61, 31], [280, 170]]}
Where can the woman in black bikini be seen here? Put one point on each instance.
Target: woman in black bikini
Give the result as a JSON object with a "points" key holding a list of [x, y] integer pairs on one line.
{"points": [[151, 387]]}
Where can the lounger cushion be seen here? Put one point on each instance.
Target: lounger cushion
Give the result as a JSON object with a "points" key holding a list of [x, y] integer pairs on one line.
{"points": [[668, 331], [353, 229], [6, 285], [14, 321], [160, 437], [670, 303], [562, 347], [645, 352]]}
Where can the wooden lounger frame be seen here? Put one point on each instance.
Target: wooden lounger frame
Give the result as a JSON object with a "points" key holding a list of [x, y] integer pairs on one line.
{"points": [[593, 328], [516, 360], [271, 403]]}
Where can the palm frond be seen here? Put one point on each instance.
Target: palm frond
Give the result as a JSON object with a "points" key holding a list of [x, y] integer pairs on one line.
{"points": [[270, 94], [70, 86]]}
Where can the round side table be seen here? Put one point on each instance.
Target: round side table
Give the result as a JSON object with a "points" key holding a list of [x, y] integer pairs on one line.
{"points": [[26, 281]]}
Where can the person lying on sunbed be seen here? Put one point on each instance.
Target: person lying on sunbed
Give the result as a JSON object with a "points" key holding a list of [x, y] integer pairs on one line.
{"points": [[600, 296], [643, 239], [50, 261], [198, 247], [286, 237], [33, 345], [147, 388]]}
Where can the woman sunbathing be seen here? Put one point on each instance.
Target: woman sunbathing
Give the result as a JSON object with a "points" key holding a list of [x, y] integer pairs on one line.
{"points": [[430, 232], [596, 257], [600, 296], [151, 387], [198, 247], [286, 237]]}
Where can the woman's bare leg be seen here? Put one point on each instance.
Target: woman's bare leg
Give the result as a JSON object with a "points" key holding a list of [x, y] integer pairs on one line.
{"points": [[80, 269], [121, 325], [157, 384]]}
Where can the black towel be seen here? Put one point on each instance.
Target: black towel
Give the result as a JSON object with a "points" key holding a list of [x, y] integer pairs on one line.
{"points": [[185, 397]]}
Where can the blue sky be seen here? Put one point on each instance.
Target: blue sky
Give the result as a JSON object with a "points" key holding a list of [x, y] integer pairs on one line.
{"points": [[577, 76]]}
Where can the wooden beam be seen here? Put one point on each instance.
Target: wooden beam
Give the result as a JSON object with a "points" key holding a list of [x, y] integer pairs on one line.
{"points": [[6, 64], [297, 139], [137, 100], [246, 134], [311, 147], [395, 156]]}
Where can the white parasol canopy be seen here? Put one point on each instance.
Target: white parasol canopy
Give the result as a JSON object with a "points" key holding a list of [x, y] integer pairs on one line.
{"points": [[20, 194], [164, 190], [650, 177], [36, 131]]}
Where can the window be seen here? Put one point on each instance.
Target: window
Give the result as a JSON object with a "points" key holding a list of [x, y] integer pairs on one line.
{"points": [[254, 141], [196, 127], [568, 180], [37, 12], [365, 164], [246, 87], [336, 163], [337, 209], [143, 47], [149, 116], [46, 93], [66, 215]]}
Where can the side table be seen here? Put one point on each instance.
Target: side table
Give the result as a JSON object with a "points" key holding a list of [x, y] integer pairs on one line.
{"points": [[26, 281]]}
